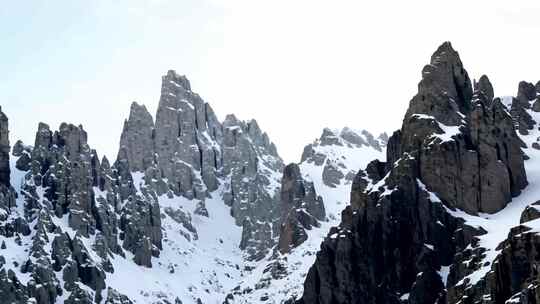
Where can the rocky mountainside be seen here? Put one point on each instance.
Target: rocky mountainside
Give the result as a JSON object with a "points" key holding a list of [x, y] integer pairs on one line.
{"points": [[187, 195], [450, 216], [325, 174], [198, 210], [191, 211]]}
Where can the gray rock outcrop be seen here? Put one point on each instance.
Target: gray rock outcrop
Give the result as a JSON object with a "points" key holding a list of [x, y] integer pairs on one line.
{"points": [[4, 150], [448, 125], [253, 168], [7, 195], [189, 153], [301, 209], [457, 148], [137, 138], [72, 198], [79, 213], [333, 169]]}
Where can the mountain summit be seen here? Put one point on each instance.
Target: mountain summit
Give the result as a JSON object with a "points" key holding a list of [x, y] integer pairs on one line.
{"points": [[191, 208], [198, 210], [429, 225]]}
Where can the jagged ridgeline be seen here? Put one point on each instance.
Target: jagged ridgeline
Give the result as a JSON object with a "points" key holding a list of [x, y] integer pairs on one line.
{"points": [[73, 225], [433, 224], [195, 210], [189, 153]]}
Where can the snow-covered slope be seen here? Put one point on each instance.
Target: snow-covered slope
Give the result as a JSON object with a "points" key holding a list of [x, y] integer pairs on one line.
{"points": [[200, 257], [190, 211], [176, 218], [204, 263], [498, 225], [452, 215], [280, 277]]}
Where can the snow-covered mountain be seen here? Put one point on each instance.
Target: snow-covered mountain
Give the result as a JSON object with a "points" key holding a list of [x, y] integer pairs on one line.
{"points": [[330, 164], [195, 210], [191, 211], [451, 216]]}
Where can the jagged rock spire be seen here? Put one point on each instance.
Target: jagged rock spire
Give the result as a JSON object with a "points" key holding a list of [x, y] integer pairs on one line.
{"points": [[526, 93], [177, 80], [444, 114], [301, 208], [137, 138], [445, 88], [456, 149], [186, 134], [484, 85], [4, 150], [7, 195], [188, 152]]}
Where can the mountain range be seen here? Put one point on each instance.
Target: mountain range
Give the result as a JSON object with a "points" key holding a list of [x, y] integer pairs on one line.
{"points": [[198, 210]]}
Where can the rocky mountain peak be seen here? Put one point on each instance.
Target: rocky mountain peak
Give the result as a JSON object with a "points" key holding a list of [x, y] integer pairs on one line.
{"points": [[527, 98], [526, 92], [445, 90], [139, 112], [313, 194], [484, 85], [43, 136], [185, 139], [137, 138], [72, 138], [174, 79], [383, 137], [301, 208], [4, 150], [351, 137], [329, 137], [347, 141], [456, 150], [105, 163], [231, 121], [188, 153]]}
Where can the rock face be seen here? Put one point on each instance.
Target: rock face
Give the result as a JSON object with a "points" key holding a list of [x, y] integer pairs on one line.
{"points": [[379, 249], [73, 198], [4, 149], [448, 125], [530, 213], [137, 139], [279, 277], [457, 149], [7, 195], [189, 153], [77, 217], [343, 143], [252, 165], [186, 139], [301, 209], [190, 196], [522, 119], [514, 277]]}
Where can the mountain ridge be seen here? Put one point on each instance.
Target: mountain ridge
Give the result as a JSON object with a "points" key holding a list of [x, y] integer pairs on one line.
{"points": [[187, 194], [425, 226], [198, 210]]}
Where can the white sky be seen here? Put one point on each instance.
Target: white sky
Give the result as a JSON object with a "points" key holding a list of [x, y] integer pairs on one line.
{"points": [[295, 66]]}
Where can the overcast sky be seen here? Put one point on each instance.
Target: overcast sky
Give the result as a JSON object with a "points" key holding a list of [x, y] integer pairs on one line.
{"points": [[295, 66]]}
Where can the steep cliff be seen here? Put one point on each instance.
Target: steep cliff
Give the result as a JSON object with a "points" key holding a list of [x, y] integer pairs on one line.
{"points": [[327, 169], [189, 153], [186, 194], [418, 229]]}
